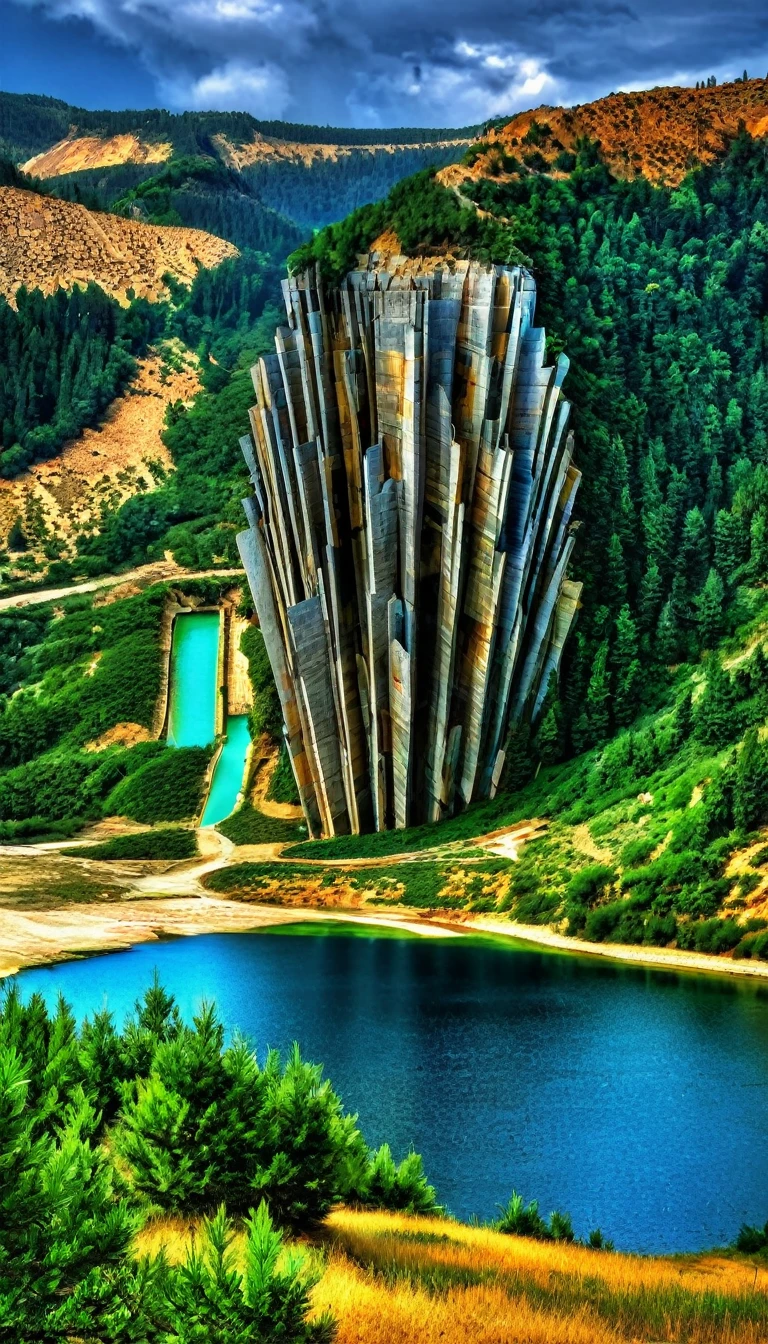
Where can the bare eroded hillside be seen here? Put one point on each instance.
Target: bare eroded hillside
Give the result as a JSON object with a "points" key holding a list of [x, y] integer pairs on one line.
{"points": [[660, 133], [79, 152], [47, 243]]}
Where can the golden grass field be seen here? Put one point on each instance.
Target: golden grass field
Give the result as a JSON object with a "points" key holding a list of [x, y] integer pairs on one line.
{"points": [[395, 1279]]}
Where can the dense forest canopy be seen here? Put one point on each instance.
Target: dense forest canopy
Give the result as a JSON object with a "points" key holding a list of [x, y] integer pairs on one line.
{"points": [[202, 193]]}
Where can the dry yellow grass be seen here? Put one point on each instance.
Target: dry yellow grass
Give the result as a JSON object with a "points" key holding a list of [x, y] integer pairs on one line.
{"points": [[393, 1279], [368, 1312], [374, 1237]]}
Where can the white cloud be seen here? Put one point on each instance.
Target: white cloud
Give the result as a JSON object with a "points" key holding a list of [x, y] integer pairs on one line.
{"points": [[234, 87], [487, 80], [416, 62]]}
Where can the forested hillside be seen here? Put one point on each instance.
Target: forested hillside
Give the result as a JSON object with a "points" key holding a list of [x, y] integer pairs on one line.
{"points": [[659, 298], [201, 193], [65, 358], [312, 174]]}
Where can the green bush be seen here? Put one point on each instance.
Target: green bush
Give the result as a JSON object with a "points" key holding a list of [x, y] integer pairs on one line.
{"points": [[752, 1239], [248, 826], [282, 786], [753, 945], [193, 1123], [536, 908], [172, 842], [266, 715], [603, 920], [68, 1269], [382, 1184], [63, 785], [268, 1300], [637, 852], [210, 1125], [519, 1219], [585, 889], [167, 788], [423, 214]]}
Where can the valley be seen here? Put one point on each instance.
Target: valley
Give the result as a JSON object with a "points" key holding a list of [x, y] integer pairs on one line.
{"points": [[384, 666]]}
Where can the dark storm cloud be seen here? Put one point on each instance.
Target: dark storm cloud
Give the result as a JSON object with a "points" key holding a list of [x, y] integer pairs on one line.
{"points": [[438, 62]]}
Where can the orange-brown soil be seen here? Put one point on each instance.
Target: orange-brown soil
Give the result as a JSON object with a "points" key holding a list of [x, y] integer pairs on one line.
{"points": [[266, 149], [661, 133], [46, 243], [93, 151]]}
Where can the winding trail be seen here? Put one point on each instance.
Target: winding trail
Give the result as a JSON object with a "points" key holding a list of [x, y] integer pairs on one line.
{"points": [[159, 572]]}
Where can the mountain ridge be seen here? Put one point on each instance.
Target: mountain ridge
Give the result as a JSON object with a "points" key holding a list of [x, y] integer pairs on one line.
{"points": [[660, 133]]}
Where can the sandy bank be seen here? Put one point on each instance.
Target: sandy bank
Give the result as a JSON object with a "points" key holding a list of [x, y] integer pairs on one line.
{"points": [[33, 936], [669, 959]]}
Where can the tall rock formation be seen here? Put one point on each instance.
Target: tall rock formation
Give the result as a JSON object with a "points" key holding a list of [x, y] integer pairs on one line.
{"points": [[410, 529]]}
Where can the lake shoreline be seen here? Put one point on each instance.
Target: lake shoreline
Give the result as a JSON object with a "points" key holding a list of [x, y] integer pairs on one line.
{"points": [[36, 936]]}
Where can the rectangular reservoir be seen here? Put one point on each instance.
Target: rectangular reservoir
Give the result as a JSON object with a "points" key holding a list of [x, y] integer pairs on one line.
{"points": [[194, 679]]}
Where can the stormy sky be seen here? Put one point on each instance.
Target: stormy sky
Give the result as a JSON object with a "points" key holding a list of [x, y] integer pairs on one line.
{"points": [[370, 62]]}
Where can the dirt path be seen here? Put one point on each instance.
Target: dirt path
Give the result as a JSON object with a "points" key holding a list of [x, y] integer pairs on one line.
{"points": [[145, 574], [221, 853], [184, 878]]}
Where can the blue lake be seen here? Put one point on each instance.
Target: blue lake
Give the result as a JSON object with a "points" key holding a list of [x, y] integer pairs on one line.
{"points": [[635, 1099]]}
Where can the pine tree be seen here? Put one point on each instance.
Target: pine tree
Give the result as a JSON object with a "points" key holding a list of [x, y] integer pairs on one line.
{"points": [[682, 721], [651, 592], [692, 556], [212, 1299], [709, 605], [716, 816], [17, 541], [627, 669], [615, 589], [716, 717], [731, 544], [518, 757], [599, 696], [667, 645], [750, 806], [66, 1271], [548, 743]]}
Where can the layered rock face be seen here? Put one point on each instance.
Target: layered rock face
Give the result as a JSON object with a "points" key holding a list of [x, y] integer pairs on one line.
{"points": [[410, 528]]}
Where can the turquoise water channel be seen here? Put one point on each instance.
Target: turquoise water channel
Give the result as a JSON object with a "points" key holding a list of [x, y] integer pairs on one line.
{"points": [[635, 1099], [194, 677], [229, 771], [192, 708]]}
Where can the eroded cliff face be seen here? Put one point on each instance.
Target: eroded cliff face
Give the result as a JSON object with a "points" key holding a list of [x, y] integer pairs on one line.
{"points": [[410, 529]]}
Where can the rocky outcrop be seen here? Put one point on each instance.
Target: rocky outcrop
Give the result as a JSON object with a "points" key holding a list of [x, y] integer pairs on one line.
{"points": [[47, 243], [410, 530]]}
